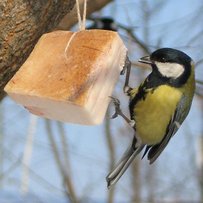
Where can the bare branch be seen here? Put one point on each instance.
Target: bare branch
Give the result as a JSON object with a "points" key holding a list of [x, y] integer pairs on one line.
{"points": [[140, 65], [135, 38], [135, 181], [10, 169], [20, 28], [199, 62], [111, 149], [67, 179], [64, 144], [199, 82], [27, 155]]}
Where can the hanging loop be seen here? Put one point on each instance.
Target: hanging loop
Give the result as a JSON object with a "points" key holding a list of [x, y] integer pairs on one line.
{"points": [[81, 21]]}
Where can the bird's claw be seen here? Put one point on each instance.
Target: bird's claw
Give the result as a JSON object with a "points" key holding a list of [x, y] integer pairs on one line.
{"points": [[123, 71], [118, 112], [126, 66], [114, 115], [116, 103]]}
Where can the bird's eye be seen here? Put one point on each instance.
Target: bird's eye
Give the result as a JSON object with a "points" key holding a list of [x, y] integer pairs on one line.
{"points": [[163, 59]]}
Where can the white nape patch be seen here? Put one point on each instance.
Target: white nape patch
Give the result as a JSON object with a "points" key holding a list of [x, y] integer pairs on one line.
{"points": [[170, 70]]}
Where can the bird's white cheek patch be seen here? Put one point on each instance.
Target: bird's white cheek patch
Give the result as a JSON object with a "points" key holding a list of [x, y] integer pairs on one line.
{"points": [[170, 70]]}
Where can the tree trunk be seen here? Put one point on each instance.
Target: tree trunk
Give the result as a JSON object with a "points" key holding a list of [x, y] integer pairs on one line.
{"points": [[22, 22]]}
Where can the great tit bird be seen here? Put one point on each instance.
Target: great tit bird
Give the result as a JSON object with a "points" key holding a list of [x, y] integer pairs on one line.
{"points": [[104, 23], [157, 107]]}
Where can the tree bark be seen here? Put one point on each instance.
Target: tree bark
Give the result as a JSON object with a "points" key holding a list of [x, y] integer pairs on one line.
{"points": [[22, 22]]}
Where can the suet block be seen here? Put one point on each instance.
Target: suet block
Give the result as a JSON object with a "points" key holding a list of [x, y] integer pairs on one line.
{"points": [[69, 76]]}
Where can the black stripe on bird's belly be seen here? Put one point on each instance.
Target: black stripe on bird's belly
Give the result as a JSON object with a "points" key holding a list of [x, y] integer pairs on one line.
{"points": [[149, 85], [141, 95]]}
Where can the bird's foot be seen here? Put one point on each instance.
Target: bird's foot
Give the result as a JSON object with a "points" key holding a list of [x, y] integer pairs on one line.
{"points": [[119, 112], [116, 103], [126, 66]]}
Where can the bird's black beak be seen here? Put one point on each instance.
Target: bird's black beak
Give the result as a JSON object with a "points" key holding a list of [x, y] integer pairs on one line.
{"points": [[145, 59]]}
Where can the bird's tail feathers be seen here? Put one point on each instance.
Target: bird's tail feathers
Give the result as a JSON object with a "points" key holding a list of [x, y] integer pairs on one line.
{"points": [[122, 165]]}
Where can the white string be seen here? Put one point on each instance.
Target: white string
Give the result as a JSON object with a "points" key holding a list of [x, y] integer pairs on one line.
{"points": [[81, 21], [68, 44], [84, 15], [78, 13]]}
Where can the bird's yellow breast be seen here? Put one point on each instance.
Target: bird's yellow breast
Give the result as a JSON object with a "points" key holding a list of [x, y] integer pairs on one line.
{"points": [[153, 114]]}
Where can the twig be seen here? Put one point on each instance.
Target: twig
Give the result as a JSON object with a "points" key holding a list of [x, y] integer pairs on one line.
{"points": [[199, 62], [67, 180], [28, 154], [42, 180], [199, 94], [135, 181], [10, 169], [199, 82], [135, 38], [140, 65], [64, 144], [111, 150]]}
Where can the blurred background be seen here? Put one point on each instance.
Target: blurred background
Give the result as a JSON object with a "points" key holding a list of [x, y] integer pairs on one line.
{"points": [[48, 161]]}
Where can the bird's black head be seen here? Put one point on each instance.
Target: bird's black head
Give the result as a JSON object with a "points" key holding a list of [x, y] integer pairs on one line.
{"points": [[168, 55], [104, 23], [171, 65]]}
